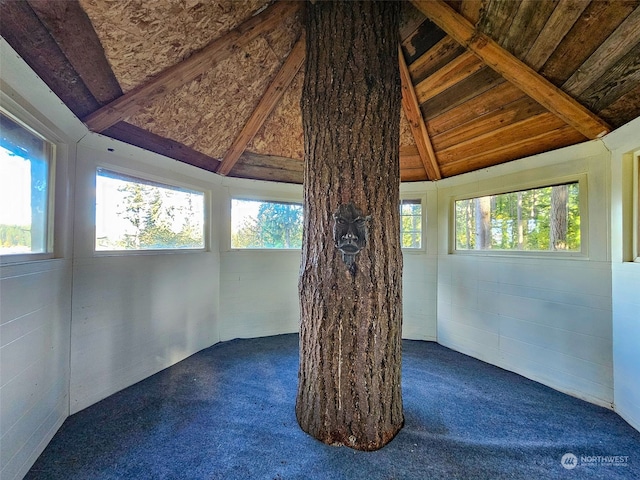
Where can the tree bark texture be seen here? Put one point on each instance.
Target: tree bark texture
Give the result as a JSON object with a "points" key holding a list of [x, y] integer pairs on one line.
{"points": [[349, 388], [483, 223]]}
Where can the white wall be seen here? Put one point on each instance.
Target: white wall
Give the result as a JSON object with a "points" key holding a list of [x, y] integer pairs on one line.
{"points": [[35, 296], [258, 293], [259, 288], [34, 359], [625, 274], [420, 267], [545, 317], [135, 314]]}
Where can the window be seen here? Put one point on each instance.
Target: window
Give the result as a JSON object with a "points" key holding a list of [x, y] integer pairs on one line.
{"points": [[263, 224], [411, 223], [539, 219], [26, 160], [137, 214]]}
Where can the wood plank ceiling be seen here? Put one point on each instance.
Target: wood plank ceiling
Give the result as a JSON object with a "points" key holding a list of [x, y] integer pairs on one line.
{"points": [[217, 83]]}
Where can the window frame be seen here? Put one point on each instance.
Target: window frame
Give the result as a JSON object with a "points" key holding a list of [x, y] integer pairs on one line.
{"points": [[636, 207], [19, 115], [423, 210], [159, 181], [581, 179], [266, 198]]}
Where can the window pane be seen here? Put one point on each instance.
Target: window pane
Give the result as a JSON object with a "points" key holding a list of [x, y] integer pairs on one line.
{"points": [[24, 189], [257, 224], [136, 214], [411, 223], [540, 219]]}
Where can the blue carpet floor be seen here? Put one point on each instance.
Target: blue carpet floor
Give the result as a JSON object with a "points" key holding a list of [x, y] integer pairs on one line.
{"points": [[228, 413]]}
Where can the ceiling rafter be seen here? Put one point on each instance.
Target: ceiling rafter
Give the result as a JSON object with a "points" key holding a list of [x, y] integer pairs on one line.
{"points": [[513, 70], [147, 140], [268, 167], [414, 116], [72, 30], [191, 68], [29, 37], [266, 105]]}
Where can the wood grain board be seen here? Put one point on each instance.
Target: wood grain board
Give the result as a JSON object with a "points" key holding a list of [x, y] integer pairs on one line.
{"points": [[24, 31]]}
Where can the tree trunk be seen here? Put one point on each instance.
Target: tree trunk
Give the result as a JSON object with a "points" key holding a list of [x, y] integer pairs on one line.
{"points": [[483, 223], [349, 388], [558, 220], [468, 225]]}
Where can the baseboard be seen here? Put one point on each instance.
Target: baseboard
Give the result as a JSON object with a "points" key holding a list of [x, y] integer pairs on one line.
{"points": [[627, 417]]}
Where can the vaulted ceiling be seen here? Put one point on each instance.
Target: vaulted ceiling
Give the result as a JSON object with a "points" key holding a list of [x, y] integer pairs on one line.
{"points": [[217, 83]]}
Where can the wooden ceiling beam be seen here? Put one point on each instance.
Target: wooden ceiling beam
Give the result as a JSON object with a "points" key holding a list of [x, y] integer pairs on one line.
{"points": [[414, 116], [269, 167], [513, 70], [188, 70], [267, 103], [28, 36], [133, 135], [72, 30], [470, 9]]}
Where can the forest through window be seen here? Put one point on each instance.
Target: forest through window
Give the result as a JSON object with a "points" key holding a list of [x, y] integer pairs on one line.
{"points": [[411, 223], [264, 224], [137, 214], [539, 219]]}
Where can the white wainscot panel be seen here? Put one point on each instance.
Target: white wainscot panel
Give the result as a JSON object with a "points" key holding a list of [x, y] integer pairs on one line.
{"points": [[34, 359], [419, 298], [259, 293], [626, 341], [136, 315]]}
